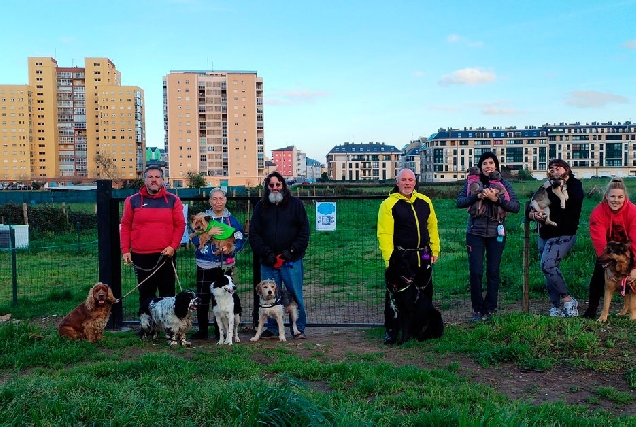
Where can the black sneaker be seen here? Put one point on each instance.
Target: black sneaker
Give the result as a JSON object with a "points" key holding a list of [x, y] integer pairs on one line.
{"points": [[268, 334], [300, 336], [476, 317], [199, 335]]}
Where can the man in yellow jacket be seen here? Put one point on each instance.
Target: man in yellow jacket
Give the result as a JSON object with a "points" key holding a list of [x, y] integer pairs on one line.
{"points": [[407, 223]]}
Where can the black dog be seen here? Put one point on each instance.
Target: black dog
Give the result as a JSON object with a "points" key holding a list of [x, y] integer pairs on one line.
{"points": [[414, 313]]}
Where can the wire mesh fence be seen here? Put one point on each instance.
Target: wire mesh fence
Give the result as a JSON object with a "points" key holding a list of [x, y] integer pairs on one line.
{"points": [[344, 273]]}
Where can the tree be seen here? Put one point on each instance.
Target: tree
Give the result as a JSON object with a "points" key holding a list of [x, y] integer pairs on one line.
{"points": [[106, 167], [136, 183], [196, 180], [525, 175]]}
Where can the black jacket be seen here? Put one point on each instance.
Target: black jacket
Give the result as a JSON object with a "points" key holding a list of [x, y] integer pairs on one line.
{"points": [[279, 227]]}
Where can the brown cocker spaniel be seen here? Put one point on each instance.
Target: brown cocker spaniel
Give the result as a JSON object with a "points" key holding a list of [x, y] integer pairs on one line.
{"points": [[88, 320]]}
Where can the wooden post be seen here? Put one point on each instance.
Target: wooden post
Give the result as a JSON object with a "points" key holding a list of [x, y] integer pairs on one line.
{"points": [[25, 214], [526, 262], [64, 208]]}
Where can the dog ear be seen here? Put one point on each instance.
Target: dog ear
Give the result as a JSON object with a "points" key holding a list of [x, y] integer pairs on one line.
{"points": [[90, 300]]}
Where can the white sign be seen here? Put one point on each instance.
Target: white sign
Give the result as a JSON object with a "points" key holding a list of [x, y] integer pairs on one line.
{"points": [[325, 216], [186, 233]]}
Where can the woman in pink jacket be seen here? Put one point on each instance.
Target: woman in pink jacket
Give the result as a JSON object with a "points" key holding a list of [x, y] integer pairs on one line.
{"points": [[614, 219]]}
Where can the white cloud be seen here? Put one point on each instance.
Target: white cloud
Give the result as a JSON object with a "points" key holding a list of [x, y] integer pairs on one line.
{"points": [[444, 107], [590, 98], [453, 38], [456, 38], [631, 44], [295, 97], [418, 74], [468, 76], [495, 111]]}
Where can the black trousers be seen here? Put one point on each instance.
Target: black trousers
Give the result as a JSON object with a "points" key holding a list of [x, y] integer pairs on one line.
{"points": [[597, 286], [162, 280]]}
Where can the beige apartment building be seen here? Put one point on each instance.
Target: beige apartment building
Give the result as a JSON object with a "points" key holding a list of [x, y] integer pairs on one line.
{"points": [[591, 149], [76, 123], [214, 125], [362, 162]]}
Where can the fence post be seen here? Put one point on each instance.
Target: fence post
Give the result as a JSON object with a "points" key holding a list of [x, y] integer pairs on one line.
{"points": [[256, 276], [526, 261], [108, 244], [14, 265]]}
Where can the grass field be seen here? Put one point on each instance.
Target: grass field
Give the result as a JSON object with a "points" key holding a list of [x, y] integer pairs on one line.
{"points": [[519, 369]]}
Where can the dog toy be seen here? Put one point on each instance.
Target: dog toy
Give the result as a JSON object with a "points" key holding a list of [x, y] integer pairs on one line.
{"points": [[281, 262]]}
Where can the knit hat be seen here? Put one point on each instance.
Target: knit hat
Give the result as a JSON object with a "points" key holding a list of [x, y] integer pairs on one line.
{"points": [[486, 155]]}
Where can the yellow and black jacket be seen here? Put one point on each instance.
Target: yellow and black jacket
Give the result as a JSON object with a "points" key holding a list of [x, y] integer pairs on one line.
{"points": [[409, 223]]}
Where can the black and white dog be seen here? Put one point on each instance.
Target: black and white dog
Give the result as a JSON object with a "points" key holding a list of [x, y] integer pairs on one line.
{"points": [[173, 315], [414, 313], [227, 306]]}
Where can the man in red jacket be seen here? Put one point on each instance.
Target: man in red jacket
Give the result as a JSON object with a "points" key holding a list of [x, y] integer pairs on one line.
{"points": [[152, 226]]}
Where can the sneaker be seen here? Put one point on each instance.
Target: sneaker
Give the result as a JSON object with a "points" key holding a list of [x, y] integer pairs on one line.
{"points": [[556, 312], [487, 316], [268, 334], [476, 317], [571, 308], [387, 339], [300, 336]]}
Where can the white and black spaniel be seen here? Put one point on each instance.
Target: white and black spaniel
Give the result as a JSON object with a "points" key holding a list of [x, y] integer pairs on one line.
{"points": [[173, 315], [227, 306]]}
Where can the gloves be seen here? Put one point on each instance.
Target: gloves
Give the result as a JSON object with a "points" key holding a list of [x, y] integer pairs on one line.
{"points": [[279, 262], [269, 259], [286, 255]]}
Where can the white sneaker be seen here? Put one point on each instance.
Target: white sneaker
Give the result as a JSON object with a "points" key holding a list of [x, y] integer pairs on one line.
{"points": [[571, 308], [556, 312]]}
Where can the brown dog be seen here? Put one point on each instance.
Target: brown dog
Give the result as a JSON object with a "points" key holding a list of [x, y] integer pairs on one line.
{"points": [[88, 320], [618, 261], [274, 303], [201, 223]]}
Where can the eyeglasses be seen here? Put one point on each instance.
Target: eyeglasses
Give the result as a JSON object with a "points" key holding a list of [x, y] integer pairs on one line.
{"points": [[274, 185]]}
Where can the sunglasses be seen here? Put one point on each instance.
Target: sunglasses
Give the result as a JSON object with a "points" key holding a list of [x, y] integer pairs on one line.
{"points": [[278, 184]]}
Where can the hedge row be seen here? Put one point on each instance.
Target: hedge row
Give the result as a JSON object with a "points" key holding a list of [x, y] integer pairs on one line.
{"points": [[46, 218]]}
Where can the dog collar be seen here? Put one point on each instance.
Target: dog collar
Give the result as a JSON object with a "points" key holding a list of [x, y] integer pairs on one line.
{"points": [[276, 302]]}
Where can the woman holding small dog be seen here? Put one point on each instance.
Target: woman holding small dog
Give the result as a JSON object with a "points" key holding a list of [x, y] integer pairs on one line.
{"points": [[556, 241], [207, 259], [614, 219], [485, 234]]}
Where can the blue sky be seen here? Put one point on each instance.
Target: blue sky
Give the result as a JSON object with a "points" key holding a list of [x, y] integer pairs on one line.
{"points": [[356, 71]]}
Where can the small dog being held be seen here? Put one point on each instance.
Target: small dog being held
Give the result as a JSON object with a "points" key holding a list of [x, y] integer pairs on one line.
{"points": [[540, 201], [227, 306], [274, 302], [173, 315], [617, 260], [494, 182], [415, 314], [202, 223], [88, 320], [473, 188]]}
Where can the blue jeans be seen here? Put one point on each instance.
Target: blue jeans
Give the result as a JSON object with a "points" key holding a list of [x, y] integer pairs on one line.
{"points": [[552, 251], [476, 247], [292, 277]]}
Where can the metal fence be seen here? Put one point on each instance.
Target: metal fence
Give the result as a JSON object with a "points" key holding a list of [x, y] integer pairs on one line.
{"points": [[344, 273]]}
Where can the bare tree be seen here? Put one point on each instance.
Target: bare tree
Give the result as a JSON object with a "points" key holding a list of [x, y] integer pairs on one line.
{"points": [[106, 167]]}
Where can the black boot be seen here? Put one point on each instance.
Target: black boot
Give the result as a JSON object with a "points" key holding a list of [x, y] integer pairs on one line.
{"points": [[590, 313], [389, 338]]}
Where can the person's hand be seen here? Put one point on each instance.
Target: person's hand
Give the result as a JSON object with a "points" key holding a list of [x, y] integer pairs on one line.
{"points": [[286, 255], [632, 276], [434, 259], [169, 252], [127, 258], [269, 259], [537, 216], [215, 231]]}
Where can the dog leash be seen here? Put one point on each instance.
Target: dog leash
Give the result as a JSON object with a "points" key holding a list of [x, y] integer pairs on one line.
{"points": [[154, 270]]}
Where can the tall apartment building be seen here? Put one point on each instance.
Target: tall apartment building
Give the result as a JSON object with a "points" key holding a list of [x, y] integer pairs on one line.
{"points": [[214, 125], [355, 162], [591, 149], [78, 123]]}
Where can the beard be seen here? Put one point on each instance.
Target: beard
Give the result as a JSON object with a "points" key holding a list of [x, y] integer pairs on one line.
{"points": [[275, 197]]}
